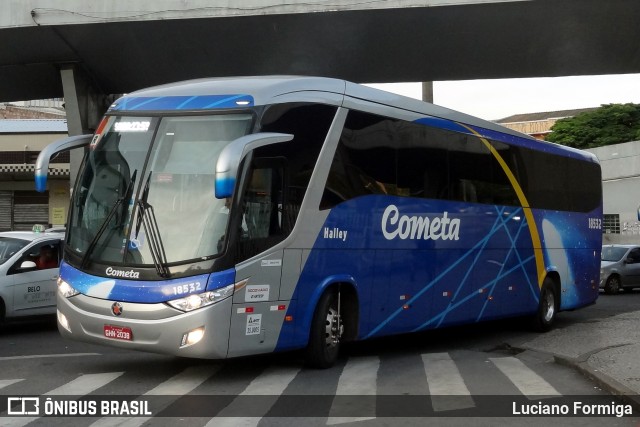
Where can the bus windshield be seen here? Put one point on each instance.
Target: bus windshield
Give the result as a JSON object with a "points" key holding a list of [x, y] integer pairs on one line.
{"points": [[147, 187]]}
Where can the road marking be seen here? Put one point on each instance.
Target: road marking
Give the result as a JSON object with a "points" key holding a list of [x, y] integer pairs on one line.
{"points": [[81, 386], [174, 388], [355, 393], [527, 381], [272, 383], [7, 383], [446, 386], [42, 356], [84, 384], [358, 378], [184, 382]]}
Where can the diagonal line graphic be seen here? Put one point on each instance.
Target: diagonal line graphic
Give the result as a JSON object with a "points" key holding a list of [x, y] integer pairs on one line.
{"points": [[494, 229], [506, 258], [472, 295]]}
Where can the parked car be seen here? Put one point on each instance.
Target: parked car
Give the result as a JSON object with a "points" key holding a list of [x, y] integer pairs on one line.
{"points": [[619, 268], [29, 264]]}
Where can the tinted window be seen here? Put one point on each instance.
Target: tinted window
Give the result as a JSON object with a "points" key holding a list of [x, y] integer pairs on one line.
{"points": [[634, 256], [475, 174], [560, 183], [379, 155], [423, 165], [279, 175], [365, 160], [309, 125]]}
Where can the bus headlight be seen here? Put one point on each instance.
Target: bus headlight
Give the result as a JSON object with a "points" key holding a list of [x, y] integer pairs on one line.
{"points": [[65, 289], [195, 301]]}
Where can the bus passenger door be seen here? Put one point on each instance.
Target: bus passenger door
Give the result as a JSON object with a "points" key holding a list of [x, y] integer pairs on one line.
{"points": [[255, 324]]}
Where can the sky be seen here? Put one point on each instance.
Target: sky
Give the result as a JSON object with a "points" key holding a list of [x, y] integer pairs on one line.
{"points": [[497, 99]]}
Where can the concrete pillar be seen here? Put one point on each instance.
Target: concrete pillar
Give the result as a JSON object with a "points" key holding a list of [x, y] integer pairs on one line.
{"points": [[427, 92], [84, 106]]}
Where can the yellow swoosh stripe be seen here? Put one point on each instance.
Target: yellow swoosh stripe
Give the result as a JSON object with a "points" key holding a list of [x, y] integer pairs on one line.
{"points": [[528, 213]]}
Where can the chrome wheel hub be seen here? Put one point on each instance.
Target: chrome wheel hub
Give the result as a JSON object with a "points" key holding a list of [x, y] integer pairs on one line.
{"points": [[333, 329]]}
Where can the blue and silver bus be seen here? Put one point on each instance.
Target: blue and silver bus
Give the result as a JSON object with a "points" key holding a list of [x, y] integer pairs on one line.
{"points": [[218, 218]]}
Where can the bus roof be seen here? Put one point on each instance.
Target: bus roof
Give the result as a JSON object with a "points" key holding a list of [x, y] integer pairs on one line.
{"points": [[239, 92], [264, 90]]}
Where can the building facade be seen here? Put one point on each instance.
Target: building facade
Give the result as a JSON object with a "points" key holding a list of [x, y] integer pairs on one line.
{"points": [[621, 191], [21, 140], [538, 125]]}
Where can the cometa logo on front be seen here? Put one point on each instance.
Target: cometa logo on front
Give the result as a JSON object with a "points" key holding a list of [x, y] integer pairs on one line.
{"points": [[122, 273], [405, 227]]}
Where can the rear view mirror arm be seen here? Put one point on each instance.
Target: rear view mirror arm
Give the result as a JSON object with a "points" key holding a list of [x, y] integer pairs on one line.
{"points": [[42, 164], [232, 154]]}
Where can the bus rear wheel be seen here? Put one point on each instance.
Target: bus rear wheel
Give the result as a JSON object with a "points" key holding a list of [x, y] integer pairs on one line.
{"points": [[326, 332], [547, 308]]}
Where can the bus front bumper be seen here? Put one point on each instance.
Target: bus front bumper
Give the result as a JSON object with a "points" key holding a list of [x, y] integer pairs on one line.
{"points": [[156, 328]]}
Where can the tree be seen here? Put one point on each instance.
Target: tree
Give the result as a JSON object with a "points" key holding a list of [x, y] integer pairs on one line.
{"points": [[609, 124]]}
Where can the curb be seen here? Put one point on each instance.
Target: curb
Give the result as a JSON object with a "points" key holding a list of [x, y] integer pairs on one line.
{"points": [[605, 382]]}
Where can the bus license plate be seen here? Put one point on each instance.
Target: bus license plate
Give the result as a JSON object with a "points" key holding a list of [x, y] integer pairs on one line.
{"points": [[118, 332]]}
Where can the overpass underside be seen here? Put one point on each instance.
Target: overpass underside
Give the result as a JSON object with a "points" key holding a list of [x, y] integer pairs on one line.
{"points": [[489, 40]]}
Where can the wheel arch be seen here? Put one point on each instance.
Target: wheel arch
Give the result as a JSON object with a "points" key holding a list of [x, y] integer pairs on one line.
{"points": [[615, 274], [554, 276]]}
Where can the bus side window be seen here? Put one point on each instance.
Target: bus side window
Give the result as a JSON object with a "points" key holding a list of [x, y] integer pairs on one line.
{"points": [[259, 205], [263, 206]]}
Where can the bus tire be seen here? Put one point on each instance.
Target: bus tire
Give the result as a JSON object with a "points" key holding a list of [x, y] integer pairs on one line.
{"points": [[547, 307], [326, 332]]}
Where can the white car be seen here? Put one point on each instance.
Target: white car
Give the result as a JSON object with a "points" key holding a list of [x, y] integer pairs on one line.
{"points": [[29, 264]]}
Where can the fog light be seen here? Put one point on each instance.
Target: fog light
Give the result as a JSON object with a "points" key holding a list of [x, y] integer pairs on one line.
{"points": [[62, 320], [192, 337]]}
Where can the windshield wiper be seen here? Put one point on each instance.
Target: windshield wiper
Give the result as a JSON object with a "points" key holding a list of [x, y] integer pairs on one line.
{"points": [[112, 212], [147, 217]]}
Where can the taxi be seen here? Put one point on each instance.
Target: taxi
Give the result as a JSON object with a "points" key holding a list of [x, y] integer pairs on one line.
{"points": [[29, 262]]}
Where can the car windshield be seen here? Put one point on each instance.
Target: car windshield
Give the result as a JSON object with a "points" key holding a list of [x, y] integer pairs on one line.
{"points": [[148, 182], [9, 246], [613, 253]]}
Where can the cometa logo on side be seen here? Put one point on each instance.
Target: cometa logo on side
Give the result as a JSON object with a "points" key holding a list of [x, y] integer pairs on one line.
{"points": [[414, 227]]}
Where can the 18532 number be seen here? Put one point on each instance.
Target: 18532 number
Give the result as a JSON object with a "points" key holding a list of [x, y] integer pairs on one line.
{"points": [[595, 223]]}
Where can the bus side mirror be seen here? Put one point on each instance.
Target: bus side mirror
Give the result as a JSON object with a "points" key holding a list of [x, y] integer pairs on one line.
{"points": [[232, 154], [42, 164]]}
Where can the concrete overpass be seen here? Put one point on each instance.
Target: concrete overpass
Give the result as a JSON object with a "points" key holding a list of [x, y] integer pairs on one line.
{"points": [[86, 51]]}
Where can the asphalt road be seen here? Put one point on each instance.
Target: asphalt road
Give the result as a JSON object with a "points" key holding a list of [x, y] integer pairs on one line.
{"points": [[475, 371]]}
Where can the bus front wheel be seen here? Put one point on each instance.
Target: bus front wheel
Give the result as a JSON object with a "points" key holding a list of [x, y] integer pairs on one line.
{"points": [[547, 307], [326, 332]]}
